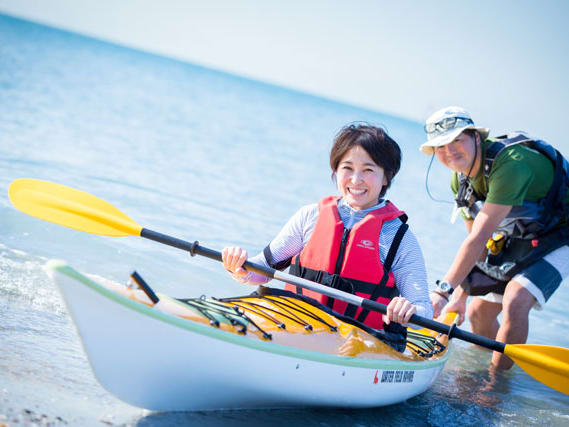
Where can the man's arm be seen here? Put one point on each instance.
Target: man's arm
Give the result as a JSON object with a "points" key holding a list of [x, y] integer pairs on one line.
{"points": [[468, 224], [471, 250], [473, 246]]}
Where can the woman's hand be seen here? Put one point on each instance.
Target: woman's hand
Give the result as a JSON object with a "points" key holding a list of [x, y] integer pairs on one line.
{"points": [[233, 259], [399, 310]]}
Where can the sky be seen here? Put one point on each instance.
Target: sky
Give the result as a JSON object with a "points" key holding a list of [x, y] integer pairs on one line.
{"points": [[507, 61]]}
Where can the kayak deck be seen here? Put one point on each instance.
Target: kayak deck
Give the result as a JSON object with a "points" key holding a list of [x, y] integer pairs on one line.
{"points": [[288, 320]]}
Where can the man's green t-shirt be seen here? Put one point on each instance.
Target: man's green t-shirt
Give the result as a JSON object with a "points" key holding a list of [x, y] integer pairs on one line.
{"points": [[519, 173]]}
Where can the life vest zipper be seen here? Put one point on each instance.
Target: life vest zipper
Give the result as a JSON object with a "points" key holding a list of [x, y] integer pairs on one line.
{"points": [[342, 251], [339, 262]]}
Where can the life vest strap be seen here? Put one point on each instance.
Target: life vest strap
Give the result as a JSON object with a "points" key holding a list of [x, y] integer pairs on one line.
{"points": [[553, 195], [337, 282]]}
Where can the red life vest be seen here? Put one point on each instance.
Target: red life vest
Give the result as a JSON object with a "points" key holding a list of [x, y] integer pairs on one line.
{"points": [[348, 260]]}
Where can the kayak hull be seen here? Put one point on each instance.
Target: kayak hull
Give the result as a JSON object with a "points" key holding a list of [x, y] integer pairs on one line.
{"points": [[158, 361]]}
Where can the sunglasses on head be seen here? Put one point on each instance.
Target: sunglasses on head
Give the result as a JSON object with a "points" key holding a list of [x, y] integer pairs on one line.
{"points": [[447, 124]]}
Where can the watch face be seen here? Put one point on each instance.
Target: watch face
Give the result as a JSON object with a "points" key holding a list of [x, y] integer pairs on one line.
{"points": [[444, 286]]}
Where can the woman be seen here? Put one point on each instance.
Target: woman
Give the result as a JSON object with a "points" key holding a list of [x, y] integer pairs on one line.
{"points": [[356, 242]]}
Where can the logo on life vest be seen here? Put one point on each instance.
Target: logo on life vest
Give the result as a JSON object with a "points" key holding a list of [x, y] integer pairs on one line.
{"points": [[367, 244]]}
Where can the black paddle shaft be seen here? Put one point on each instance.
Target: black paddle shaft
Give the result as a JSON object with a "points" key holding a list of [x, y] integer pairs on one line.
{"points": [[194, 248], [452, 331]]}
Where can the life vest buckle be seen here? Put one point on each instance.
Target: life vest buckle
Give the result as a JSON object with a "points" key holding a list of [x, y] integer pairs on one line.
{"points": [[342, 285]]}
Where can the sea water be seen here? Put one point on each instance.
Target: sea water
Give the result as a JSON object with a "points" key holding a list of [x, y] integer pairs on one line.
{"points": [[201, 155]]}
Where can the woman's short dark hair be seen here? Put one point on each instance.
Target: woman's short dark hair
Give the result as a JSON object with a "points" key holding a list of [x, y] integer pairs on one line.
{"points": [[383, 150]]}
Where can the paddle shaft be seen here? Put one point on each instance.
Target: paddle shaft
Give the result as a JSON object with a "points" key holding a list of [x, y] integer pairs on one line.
{"points": [[452, 331]]}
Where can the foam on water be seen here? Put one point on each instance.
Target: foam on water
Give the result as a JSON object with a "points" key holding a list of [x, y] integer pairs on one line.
{"points": [[23, 280]]}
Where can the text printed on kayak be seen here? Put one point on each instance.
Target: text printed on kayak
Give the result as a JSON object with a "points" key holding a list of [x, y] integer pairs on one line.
{"points": [[395, 377]]}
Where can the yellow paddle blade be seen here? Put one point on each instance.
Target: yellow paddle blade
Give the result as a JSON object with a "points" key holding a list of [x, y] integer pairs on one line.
{"points": [[71, 208], [547, 364]]}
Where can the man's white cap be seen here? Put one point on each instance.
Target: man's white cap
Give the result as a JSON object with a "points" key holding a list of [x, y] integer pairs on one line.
{"points": [[441, 137]]}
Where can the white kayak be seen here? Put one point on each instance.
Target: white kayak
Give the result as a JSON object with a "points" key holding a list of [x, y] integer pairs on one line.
{"points": [[196, 356]]}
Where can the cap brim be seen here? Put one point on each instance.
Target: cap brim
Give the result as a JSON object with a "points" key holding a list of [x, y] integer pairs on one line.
{"points": [[446, 138]]}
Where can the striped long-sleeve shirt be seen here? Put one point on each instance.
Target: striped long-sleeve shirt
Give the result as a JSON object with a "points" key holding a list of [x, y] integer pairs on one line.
{"points": [[408, 266]]}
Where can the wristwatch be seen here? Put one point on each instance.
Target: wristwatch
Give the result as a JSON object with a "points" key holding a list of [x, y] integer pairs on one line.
{"points": [[444, 287]]}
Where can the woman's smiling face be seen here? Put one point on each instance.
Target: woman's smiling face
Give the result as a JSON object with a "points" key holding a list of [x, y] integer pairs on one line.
{"points": [[359, 179]]}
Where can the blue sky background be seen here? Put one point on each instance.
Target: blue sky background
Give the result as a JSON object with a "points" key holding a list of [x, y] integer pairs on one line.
{"points": [[505, 61]]}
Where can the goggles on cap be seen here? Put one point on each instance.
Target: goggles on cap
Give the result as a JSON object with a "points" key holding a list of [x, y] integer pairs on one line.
{"points": [[446, 124]]}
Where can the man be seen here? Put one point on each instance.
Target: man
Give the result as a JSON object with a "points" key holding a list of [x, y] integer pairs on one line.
{"points": [[513, 193]]}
